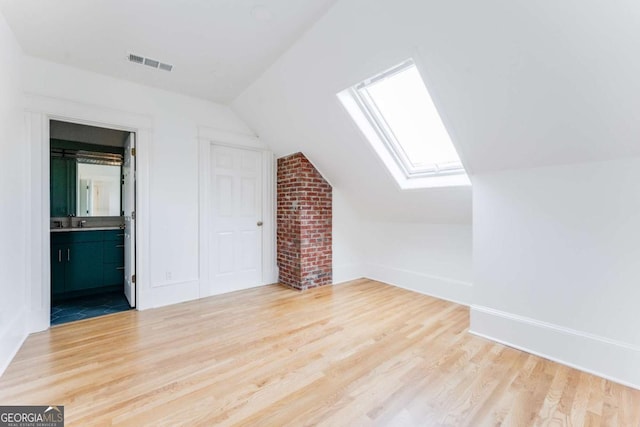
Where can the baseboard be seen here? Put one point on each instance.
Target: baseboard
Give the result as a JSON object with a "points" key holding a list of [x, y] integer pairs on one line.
{"points": [[39, 320], [164, 294], [11, 339], [614, 360], [440, 287], [270, 274]]}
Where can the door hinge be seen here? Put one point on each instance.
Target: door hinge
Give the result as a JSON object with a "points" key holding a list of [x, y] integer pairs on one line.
{"points": [[133, 151], [133, 279], [133, 215]]}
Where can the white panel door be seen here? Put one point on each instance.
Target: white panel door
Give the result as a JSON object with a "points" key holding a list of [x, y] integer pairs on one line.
{"points": [[128, 209], [236, 221]]}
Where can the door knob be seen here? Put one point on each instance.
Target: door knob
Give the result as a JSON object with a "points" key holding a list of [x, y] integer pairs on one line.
{"points": [[259, 224]]}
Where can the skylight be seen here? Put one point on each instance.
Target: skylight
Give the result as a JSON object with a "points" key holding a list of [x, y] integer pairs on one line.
{"points": [[394, 109]]}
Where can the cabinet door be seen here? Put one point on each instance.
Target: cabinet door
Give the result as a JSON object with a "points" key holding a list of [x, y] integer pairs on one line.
{"points": [[58, 262], [114, 252], [84, 266], [113, 274], [113, 262], [72, 187], [59, 187], [63, 187], [113, 248]]}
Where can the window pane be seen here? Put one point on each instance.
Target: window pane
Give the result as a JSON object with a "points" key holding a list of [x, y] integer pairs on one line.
{"points": [[406, 106]]}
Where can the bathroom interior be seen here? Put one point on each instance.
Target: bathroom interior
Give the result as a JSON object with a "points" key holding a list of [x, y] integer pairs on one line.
{"points": [[92, 195]]}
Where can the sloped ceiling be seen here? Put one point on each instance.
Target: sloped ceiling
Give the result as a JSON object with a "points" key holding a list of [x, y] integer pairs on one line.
{"points": [[217, 47], [519, 84]]}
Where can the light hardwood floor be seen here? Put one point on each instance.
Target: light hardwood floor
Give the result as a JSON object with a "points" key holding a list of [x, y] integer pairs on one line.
{"points": [[361, 353]]}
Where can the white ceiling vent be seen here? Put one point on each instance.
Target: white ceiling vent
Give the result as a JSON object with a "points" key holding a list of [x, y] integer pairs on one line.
{"points": [[151, 63], [137, 59]]}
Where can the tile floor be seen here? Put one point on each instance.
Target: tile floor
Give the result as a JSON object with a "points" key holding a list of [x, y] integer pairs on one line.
{"points": [[88, 306]]}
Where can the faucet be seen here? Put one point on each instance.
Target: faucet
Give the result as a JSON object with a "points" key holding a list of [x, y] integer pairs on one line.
{"points": [[58, 224], [81, 223]]}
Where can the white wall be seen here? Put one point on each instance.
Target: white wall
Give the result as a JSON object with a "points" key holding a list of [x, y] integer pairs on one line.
{"points": [[293, 106], [347, 234], [13, 213], [434, 259], [556, 263], [173, 150]]}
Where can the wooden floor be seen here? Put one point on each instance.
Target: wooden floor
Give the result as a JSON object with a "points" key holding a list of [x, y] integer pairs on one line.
{"points": [[362, 353]]}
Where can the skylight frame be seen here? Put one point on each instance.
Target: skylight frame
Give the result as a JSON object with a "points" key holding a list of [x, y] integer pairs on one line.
{"points": [[376, 119]]}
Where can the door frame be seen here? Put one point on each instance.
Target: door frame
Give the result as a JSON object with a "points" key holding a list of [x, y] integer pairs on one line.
{"points": [[208, 137], [130, 155], [39, 111]]}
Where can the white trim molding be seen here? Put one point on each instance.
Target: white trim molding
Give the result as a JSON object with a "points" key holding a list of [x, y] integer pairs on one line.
{"points": [[206, 138], [269, 249], [39, 111], [405, 181], [87, 114], [615, 360], [232, 139], [12, 336], [453, 290]]}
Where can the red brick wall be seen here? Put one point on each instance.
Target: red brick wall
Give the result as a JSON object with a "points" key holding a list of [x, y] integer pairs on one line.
{"points": [[303, 224]]}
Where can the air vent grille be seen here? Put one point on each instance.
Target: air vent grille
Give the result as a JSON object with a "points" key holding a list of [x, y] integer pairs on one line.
{"points": [[137, 59], [151, 62]]}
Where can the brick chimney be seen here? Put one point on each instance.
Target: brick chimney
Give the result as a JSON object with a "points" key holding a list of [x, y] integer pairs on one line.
{"points": [[304, 221]]}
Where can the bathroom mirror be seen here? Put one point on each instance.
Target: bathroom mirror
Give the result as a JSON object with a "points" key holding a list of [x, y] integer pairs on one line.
{"points": [[98, 190], [85, 182]]}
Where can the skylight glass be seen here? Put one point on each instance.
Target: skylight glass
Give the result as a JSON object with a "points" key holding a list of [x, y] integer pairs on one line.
{"points": [[401, 111]]}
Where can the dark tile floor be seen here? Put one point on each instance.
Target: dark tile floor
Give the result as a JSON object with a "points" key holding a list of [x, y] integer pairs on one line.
{"points": [[88, 306]]}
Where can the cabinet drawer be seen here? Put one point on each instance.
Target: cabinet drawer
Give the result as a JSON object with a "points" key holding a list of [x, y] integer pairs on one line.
{"points": [[114, 235], [59, 238], [76, 237], [85, 236], [113, 274], [113, 252]]}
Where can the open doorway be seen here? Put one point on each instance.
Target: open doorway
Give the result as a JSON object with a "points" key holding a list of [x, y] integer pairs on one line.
{"points": [[92, 209]]}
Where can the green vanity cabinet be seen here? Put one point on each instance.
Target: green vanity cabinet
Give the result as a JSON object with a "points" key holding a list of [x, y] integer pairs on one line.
{"points": [[113, 249], [57, 268], [84, 266], [63, 186], [85, 261]]}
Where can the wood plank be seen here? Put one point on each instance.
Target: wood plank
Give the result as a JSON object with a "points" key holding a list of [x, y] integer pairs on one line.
{"points": [[362, 353]]}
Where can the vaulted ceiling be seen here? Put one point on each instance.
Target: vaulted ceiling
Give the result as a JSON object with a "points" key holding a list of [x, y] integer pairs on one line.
{"points": [[217, 47], [519, 83]]}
